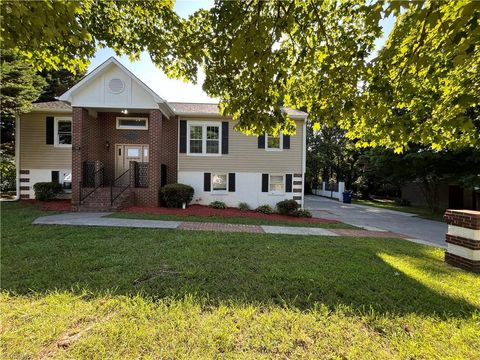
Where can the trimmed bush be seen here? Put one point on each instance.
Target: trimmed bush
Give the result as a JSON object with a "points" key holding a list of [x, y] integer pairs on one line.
{"points": [[302, 213], [217, 205], [243, 206], [174, 195], [45, 191], [264, 209], [287, 207]]}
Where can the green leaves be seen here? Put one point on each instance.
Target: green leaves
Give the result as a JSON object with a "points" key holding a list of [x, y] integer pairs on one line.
{"points": [[422, 87]]}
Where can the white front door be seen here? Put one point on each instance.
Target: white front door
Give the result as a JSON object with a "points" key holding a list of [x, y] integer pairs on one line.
{"points": [[125, 154]]}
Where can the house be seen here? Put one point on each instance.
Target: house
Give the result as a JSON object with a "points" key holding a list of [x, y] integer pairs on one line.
{"points": [[111, 142]]}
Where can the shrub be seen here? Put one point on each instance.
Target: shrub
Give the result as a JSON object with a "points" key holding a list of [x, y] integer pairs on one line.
{"points": [[174, 195], [287, 207], [243, 206], [302, 213], [264, 209], [45, 191], [218, 205]]}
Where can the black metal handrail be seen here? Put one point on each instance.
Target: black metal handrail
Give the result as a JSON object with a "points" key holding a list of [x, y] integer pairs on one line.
{"points": [[122, 189], [100, 173]]}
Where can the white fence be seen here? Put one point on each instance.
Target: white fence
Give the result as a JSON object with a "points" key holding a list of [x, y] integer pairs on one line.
{"points": [[325, 191]]}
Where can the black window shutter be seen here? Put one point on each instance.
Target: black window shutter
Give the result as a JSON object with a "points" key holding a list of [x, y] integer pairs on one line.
{"points": [[264, 182], [55, 176], [261, 142], [231, 182], [206, 181], [183, 136], [224, 137], [286, 141], [288, 182], [50, 129]]}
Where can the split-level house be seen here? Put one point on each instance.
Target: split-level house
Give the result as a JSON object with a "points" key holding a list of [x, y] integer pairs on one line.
{"points": [[112, 142]]}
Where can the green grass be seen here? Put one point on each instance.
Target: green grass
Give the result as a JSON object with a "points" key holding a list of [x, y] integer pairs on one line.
{"points": [[230, 220], [424, 213], [147, 293]]}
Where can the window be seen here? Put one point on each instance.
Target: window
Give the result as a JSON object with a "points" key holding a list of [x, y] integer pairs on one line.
{"points": [[196, 139], [274, 142], [135, 152], [204, 138], [63, 132], [213, 139], [219, 182], [276, 183], [67, 181], [132, 123]]}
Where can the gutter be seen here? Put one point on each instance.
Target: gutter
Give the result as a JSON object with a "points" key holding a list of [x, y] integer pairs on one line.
{"points": [[17, 161]]}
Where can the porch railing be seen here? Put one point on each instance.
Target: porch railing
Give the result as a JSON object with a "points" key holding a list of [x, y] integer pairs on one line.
{"points": [[117, 188], [91, 182]]}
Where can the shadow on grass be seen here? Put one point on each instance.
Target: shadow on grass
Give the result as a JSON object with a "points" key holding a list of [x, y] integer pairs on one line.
{"points": [[265, 269]]}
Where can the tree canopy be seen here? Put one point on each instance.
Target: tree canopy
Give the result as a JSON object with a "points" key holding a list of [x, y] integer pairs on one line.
{"points": [[421, 88]]}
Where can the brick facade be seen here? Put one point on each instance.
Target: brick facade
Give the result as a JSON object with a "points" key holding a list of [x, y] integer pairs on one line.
{"points": [[463, 239], [94, 139], [464, 218]]}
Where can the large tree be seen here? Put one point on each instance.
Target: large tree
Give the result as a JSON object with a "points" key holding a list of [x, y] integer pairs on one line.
{"points": [[422, 88], [58, 81], [21, 86]]}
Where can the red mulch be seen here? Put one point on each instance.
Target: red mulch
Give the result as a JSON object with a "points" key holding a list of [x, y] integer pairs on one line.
{"points": [[56, 205], [201, 210]]}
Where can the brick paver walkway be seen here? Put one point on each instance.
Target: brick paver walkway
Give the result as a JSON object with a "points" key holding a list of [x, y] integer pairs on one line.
{"points": [[188, 225], [99, 219]]}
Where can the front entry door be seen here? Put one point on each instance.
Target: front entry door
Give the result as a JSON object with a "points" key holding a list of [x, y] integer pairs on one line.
{"points": [[125, 154]]}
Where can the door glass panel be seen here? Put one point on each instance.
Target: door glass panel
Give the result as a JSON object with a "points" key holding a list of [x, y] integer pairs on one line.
{"points": [[133, 152]]}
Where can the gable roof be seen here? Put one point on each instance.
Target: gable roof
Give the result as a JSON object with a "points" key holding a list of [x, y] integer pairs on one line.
{"points": [[97, 71]]}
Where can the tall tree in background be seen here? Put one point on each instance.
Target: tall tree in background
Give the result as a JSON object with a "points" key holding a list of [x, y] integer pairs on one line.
{"points": [[58, 81], [330, 156], [21, 86]]}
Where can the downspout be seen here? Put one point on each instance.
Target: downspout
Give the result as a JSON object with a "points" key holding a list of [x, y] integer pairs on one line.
{"points": [[304, 160], [17, 160]]}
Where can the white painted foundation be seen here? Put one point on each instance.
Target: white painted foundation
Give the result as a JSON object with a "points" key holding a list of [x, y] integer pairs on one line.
{"points": [[40, 175], [248, 188]]}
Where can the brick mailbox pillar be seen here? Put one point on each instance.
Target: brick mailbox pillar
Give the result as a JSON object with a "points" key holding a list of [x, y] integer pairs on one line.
{"points": [[463, 239]]}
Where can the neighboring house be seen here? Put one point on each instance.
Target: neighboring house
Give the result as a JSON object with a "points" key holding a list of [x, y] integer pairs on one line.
{"points": [[112, 142], [450, 196]]}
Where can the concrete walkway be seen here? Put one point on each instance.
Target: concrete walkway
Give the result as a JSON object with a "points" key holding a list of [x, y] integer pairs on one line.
{"points": [[408, 225], [100, 219]]}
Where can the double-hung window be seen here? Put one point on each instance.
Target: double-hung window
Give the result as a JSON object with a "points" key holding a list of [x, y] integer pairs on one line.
{"points": [[63, 131], [204, 138], [219, 182], [273, 142], [277, 184]]}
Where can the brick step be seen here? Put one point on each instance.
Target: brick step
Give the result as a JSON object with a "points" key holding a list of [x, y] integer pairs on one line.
{"points": [[100, 200]]}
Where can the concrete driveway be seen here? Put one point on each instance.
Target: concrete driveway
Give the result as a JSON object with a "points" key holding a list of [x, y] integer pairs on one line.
{"points": [[414, 228]]}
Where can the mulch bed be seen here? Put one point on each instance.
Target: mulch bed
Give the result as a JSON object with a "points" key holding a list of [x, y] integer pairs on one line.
{"points": [[201, 210], [55, 205]]}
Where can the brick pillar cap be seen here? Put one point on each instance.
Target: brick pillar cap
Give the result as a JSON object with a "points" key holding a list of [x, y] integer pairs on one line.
{"points": [[473, 213]]}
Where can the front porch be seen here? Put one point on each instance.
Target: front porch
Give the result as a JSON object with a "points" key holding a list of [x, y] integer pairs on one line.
{"points": [[114, 166]]}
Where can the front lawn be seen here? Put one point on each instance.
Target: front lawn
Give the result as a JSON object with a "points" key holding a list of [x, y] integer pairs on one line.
{"points": [[424, 213], [79, 292], [231, 220]]}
